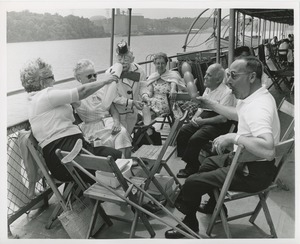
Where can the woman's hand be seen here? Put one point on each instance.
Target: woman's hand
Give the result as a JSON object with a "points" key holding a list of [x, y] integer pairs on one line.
{"points": [[173, 95], [222, 142], [116, 128], [138, 104]]}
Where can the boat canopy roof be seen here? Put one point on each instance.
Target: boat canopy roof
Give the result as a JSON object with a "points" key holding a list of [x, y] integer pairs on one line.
{"points": [[285, 16]]}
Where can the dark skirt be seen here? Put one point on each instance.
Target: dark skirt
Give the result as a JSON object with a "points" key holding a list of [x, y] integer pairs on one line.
{"points": [[58, 170]]}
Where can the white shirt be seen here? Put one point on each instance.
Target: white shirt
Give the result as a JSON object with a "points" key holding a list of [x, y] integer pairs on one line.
{"points": [[222, 94], [257, 115], [51, 115]]}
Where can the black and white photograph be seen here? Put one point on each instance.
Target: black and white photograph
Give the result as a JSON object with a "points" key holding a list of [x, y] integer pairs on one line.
{"points": [[149, 121]]}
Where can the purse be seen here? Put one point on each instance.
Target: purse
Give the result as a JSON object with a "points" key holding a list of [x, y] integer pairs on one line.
{"points": [[77, 219], [177, 110]]}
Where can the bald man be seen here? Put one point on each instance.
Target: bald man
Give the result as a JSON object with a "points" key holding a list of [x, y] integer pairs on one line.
{"points": [[205, 125]]}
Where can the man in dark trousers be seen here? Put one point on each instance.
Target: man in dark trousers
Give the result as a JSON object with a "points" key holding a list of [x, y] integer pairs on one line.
{"points": [[206, 124], [258, 131]]}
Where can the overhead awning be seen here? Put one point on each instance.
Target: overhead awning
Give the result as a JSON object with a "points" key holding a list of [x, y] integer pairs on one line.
{"points": [[285, 16]]}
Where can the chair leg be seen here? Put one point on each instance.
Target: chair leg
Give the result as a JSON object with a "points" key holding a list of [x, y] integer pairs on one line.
{"points": [[58, 209], [257, 209], [225, 223], [267, 215], [104, 216], [138, 214], [147, 224], [169, 171], [93, 220], [219, 210], [163, 123], [135, 220]]}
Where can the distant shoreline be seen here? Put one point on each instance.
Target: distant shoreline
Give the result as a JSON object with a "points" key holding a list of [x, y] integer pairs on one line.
{"points": [[144, 34]]}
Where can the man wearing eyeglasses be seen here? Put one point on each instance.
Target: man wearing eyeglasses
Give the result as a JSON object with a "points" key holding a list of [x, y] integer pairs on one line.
{"points": [[258, 131], [128, 100], [206, 124]]}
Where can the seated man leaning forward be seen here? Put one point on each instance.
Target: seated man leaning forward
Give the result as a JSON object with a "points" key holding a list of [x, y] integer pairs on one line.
{"points": [[128, 100], [258, 131], [94, 110], [205, 125], [51, 115]]}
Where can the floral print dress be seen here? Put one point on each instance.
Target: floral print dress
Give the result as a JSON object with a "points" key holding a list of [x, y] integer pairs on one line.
{"points": [[159, 103]]}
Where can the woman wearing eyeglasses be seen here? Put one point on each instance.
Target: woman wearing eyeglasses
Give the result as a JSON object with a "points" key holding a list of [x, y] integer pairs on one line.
{"points": [[51, 115], [101, 120]]}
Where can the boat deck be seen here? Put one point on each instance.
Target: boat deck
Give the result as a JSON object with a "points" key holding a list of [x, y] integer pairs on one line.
{"points": [[281, 203]]}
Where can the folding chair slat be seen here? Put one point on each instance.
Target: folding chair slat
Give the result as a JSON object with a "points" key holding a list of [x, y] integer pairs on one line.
{"points": [[98, 192], [159, 155]]}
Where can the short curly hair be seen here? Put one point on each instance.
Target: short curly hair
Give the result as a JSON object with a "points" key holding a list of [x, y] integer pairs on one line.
{"points": [[33, 73], [160, 55], [81, 65]]}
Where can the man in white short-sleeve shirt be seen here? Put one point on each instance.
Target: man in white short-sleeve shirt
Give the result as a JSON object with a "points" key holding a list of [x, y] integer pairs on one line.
{"points": [[258, 131]]}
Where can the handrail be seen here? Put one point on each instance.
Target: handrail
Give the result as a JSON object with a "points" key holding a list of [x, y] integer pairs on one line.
{"points": [[19, 91]]}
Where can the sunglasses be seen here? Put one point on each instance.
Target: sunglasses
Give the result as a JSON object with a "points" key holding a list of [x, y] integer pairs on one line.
{"points": [[91, 75], [234, 75]]}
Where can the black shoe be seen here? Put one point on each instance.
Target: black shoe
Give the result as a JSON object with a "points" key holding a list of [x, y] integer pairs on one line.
{"points": [[151, 207], [184, 173], [208, 208], [174, 234]]}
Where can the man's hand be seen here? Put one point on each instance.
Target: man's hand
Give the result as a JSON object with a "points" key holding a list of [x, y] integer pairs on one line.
{"points": [[139, 105], [205, 102], [116, 128], [197, 121], [222, 142]]}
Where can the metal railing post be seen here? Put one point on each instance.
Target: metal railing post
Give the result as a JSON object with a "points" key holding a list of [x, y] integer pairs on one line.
{"points": [[219, 36], [129, 25], [112, 36], [231, 36]]}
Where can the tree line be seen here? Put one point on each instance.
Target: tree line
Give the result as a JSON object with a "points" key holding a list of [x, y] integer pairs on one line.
{"points": [[26, 26]]}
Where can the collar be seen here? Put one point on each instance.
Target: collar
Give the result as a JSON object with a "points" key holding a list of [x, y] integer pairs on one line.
{"points": [[220, 87], [255, 95], [168, 76]]}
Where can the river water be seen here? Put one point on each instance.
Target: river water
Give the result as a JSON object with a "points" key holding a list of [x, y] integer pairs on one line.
{"points": [[63, 55]]}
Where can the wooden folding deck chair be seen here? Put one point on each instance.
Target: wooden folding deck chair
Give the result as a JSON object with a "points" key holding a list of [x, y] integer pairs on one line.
{"points": [[157, 156], [286, 109], [52, 182], [130, 192], [283, 150]]}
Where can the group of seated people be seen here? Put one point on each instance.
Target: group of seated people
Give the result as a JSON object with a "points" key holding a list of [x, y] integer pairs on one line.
{"points": [[109, 109]]}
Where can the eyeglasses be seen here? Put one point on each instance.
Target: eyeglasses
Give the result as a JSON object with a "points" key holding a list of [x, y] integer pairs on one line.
{"points": [[91, 75], [49, 77], [234, 74]]}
